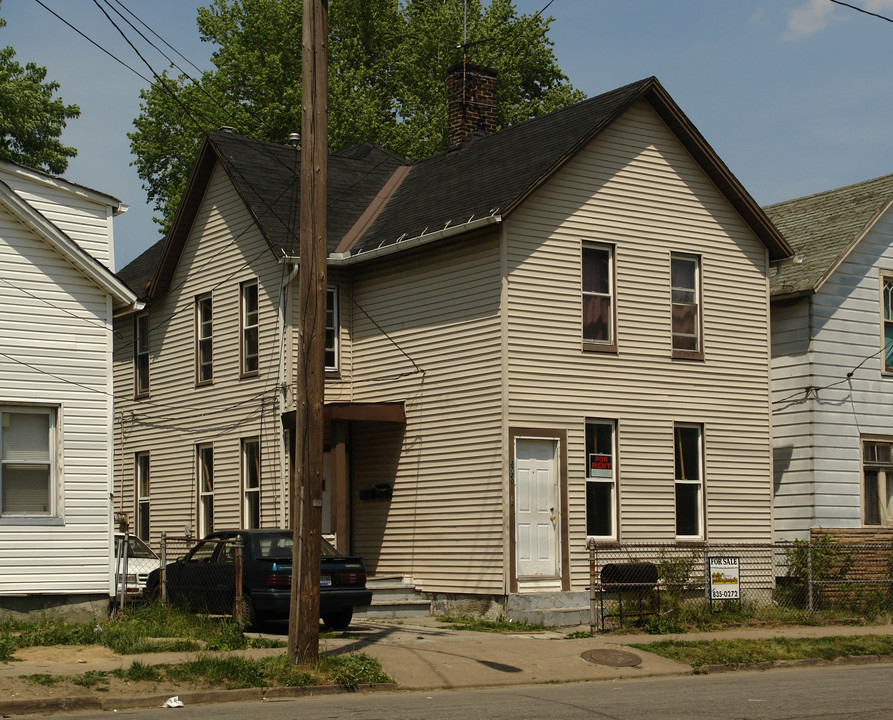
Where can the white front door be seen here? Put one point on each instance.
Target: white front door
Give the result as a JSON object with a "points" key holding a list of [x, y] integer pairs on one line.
{"points": [[536, 508]]}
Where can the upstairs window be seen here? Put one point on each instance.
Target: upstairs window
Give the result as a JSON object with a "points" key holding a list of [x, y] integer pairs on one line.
{"points": [[601, 482], [249, 328], [685, 272], [204, 341], [141, 354], [887, 339], [689, 481], [598, 297], [332, 330], [877, 483], [27, 461]]}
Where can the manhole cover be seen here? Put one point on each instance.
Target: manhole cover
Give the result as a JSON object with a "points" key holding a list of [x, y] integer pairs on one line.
{"points": [[612, 658]]}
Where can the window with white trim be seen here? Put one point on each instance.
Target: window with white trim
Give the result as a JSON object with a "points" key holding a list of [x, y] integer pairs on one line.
{"points": [[141, 467], [141, 354], [598, 296], [28, 452], [689, 480], [204, 340], [332, 329], [205, 459], [887, 339], [601, 480], [685, 274], [250, 337], [877, 482], [251, 483]]}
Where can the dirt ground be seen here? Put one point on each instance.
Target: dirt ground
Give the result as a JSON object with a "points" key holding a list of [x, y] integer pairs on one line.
{"points": [[42, 673]]}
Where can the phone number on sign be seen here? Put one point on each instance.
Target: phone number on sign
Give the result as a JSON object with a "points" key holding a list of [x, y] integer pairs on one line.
{"points": [[720, 594]]}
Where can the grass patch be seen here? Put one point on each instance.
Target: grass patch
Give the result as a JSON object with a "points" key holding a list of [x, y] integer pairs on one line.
{"points": [[737, 652], [92, 680], [43, 679], [134, 631], [501, 625]]}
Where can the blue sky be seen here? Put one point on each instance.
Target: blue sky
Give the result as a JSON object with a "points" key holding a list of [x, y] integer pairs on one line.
{"points": [[796, 96]]}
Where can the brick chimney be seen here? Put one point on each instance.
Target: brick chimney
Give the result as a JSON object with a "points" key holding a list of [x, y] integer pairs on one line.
{"points": [[471, 97]]}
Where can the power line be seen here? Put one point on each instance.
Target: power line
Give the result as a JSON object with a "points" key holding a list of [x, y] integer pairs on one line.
{"points": [[861, 10]]}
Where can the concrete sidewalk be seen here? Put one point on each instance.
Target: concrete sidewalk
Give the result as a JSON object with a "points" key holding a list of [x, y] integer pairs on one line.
{"points": [[421, 653]]}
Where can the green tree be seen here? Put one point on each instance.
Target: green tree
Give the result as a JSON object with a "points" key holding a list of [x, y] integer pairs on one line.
{"points": [[31, 119], [387, 79]]}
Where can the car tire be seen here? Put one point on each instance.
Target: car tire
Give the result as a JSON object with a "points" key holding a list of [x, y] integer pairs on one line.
{"points": [[338, 619], [152, 592]]}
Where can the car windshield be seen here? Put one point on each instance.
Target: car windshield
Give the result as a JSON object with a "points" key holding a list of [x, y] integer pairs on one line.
{"points": [[136, 548]]}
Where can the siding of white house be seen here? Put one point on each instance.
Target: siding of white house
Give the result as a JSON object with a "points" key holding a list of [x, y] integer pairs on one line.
{"points": [[635, 187], [223, 250], [845, 330], [56, 347], [82, 214]]}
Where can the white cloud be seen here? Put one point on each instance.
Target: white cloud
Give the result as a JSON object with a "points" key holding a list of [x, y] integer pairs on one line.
{"points": [[811, 17]]}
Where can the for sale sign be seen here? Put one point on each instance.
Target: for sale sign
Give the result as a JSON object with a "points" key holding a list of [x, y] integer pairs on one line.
{"points": [[724, 578]]}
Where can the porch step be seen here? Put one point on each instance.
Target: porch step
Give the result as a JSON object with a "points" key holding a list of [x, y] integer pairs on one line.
{"points": [[552, 609], [393, 598]]}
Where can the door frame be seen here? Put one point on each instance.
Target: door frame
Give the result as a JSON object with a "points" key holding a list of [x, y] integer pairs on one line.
{"points": [[559, 437]]}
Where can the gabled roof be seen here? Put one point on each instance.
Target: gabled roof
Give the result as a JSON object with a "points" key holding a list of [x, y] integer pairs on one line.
{"points": [[823, 229], [479, 181], [89, 266]]}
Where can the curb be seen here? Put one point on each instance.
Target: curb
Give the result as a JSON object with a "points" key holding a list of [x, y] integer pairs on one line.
{"points": [[804, 662], [190, 697]]}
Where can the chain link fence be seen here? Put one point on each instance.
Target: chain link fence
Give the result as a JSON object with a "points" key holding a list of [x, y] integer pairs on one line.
{"points": [[134, 561], [642, 583]]}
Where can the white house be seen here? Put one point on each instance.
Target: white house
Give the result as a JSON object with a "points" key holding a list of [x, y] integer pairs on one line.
{"points": [[58, 299], [832, 364]]}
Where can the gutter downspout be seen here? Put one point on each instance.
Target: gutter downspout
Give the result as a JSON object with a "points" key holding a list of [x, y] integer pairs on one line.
{"points": [[283, 392]]}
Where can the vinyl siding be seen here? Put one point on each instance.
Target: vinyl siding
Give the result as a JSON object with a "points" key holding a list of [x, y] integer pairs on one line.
{"points": [[636, 188], [56, 341], [434, 344], [224, 249], [845, 336]]}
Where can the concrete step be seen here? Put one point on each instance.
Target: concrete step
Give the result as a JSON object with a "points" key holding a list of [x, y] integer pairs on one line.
{"points": [[393, 598], [552, 617]]}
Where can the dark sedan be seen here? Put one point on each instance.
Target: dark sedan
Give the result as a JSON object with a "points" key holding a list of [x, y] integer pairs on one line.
{"points": [[204, 579]]}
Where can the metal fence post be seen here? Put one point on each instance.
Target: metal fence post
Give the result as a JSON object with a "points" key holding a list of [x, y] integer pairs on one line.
{"points": [[593, 610], [809, 575], [163, 572], [240, 601]]}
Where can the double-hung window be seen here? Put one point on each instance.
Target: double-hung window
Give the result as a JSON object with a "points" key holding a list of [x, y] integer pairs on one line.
{"points": [[887, 338], [27, 461], [205, 460], [689, 481], [877, 482], [332, 330], [204, 340], [141, 466], [601, 480], [249, 328], [685, 274], [598, 297], [141, 354], [251, 482]]}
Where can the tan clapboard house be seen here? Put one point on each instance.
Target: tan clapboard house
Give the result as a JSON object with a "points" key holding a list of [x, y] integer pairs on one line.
{"points": [[554, 333]]}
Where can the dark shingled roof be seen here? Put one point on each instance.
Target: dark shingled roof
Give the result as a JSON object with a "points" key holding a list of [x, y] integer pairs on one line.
{"points": [[823, 228], [481, 177], [137, 274]]}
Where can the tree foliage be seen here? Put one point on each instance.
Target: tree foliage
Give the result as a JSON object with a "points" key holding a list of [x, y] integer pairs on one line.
{"points": [[388, 61], [31, 119]]}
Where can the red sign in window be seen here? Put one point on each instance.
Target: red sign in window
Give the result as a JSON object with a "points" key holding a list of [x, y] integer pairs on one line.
{"points": [[599, 462]]}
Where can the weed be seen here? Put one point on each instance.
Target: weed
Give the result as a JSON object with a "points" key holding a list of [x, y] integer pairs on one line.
{"points": [[93, 679], [43, 679], [351, 670], [502, 624]]}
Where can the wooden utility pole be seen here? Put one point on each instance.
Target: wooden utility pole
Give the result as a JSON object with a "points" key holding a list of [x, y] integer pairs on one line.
{"points": [[303, 628]]}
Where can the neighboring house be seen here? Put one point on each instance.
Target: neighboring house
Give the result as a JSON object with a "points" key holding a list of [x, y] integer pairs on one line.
{"points": [[832, 364], [58, 298], [554, 333]]}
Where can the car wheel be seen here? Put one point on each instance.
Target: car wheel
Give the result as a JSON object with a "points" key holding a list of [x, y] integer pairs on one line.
{"points": [[152, 592], [338, 619]]}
